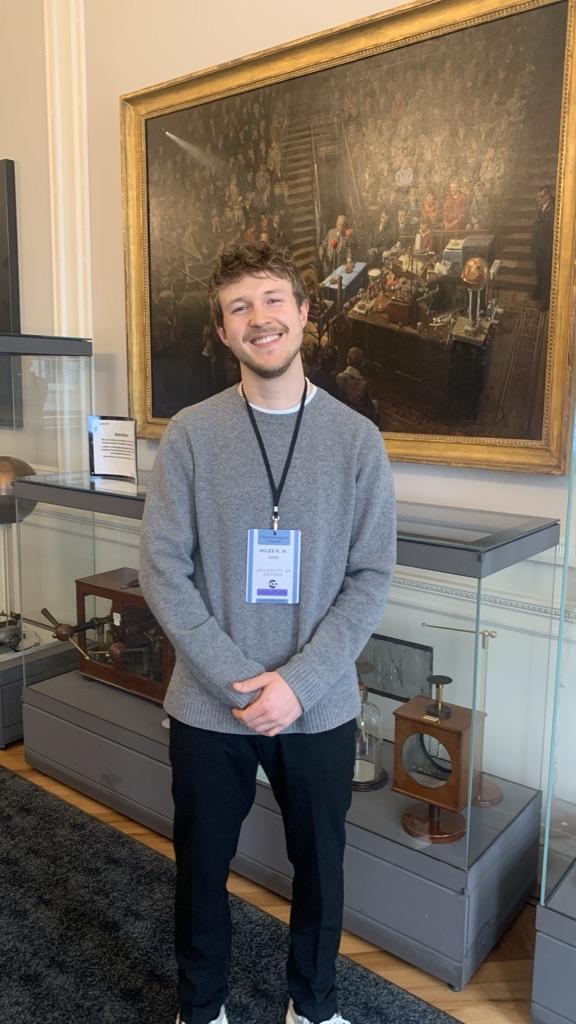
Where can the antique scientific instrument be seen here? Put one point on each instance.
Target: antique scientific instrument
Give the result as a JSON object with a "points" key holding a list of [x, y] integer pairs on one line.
{"points": [[369, 772], [432, 747], [125, 646]]}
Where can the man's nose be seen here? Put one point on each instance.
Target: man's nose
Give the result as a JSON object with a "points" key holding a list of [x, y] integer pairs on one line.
{"points": [[259, 315]]}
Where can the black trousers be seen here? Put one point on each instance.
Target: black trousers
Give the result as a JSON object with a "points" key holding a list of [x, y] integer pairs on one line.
{"points": [[214, 784]]}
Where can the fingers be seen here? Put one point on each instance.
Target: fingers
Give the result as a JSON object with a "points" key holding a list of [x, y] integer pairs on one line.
{"points": [[258, 723], [255, 683], [261, 723], [248, 685]]}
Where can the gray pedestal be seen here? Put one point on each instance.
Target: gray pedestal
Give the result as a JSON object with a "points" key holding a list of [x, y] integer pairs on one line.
{"points": [[418, 902], [554, 986], [41, 663]]}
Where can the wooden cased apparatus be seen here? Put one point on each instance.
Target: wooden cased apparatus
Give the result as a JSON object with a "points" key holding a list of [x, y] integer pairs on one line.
{"points": [[414, 719], [131, 650]]}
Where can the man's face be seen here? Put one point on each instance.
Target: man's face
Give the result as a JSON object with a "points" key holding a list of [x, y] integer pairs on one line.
{"points": [[541, 197], [454, 189], [263, 325]]}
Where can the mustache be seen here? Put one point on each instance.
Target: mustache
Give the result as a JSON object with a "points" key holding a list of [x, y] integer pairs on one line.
{"points": [[278, 328]]}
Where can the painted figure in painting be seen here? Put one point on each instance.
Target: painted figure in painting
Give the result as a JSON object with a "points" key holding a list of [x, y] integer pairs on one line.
{"points": [[542, 238]]}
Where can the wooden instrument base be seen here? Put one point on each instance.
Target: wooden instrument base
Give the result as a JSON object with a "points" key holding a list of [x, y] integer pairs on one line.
{"points": [[437, 825], [488, 793]]}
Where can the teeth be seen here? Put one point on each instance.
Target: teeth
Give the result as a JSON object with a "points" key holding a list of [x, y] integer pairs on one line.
{"points": [[265, 340]]}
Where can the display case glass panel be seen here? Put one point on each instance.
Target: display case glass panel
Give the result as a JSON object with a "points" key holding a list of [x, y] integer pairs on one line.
{"points": [[45, 397], [558, 888], [79, 575]]}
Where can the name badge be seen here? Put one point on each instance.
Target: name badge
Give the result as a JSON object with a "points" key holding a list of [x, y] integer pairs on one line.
{"points": [[273, 567]]}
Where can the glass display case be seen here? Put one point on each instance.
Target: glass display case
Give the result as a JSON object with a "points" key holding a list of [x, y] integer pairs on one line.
{"points": [[443, 841], [98, 725], [470, 611], [45, 397], [554, 989], [79, 538]]}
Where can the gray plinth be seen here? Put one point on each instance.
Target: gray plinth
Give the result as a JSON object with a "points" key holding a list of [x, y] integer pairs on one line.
{"points": [[10, 700], [46, 661], [554, 984], [103, 742], [427, 909]]}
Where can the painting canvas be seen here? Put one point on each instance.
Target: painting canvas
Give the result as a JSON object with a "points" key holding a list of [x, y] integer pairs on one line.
{"points": [[419, 187]]}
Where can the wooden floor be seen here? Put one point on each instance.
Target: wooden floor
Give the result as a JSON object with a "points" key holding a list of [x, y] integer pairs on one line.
{"points": [[499, 993]]}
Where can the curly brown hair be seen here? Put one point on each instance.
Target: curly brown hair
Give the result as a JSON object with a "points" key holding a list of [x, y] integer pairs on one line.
{"points": [[252, 259]]}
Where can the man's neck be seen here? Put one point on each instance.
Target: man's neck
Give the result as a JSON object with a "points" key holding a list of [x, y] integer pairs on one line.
{"points": [[277, 392]]}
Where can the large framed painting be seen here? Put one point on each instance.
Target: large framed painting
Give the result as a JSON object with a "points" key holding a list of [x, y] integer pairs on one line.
{"points": [[420, 166]]}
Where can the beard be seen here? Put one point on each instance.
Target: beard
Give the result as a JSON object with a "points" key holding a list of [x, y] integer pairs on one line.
{"points": [[269, 373], [265, 372]]}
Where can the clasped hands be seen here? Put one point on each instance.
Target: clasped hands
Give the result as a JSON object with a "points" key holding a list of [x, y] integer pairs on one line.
{"points": [[273, 709]]}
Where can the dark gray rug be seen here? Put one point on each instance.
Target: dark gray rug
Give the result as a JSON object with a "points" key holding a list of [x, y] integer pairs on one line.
{"points": [[86, 922]]}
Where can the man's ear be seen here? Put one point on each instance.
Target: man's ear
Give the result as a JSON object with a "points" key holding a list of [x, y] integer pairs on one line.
{"points": [[222, 335], [303, 312]]}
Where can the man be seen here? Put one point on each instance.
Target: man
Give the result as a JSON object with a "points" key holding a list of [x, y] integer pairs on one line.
{"points": [[454, 210], [267, 547], [479, 210], [382, 238], [491, 172], [336, 245], [542, 239], [353, 387], [403, 234], [278, 237], [404, 177]]}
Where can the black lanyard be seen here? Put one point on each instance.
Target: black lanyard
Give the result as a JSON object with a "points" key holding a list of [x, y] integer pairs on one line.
{"points": [[277, 491]]}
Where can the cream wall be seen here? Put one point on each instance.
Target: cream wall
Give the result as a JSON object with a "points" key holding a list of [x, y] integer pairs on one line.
{"points": [[24, 139], [131, 44]]}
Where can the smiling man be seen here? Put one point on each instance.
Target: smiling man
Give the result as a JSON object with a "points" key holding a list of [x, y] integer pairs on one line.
{"points": [[267, 548]]}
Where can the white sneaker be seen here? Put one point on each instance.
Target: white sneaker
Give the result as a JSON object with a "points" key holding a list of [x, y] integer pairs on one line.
{"points": [[220, 1019], [294, 1018]]}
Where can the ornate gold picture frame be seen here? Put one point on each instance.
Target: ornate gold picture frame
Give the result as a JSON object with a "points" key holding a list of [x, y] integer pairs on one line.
{"points": [[420, 165]]}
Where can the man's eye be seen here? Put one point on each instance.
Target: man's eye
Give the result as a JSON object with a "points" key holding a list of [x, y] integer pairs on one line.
{"points": [[238, 309]]}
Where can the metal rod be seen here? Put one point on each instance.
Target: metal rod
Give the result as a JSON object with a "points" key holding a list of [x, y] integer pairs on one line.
{"points": [[74, 644], [486, 634]]}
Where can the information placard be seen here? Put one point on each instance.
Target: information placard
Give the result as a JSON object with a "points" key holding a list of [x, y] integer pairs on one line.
{"points": [[112, 443]]}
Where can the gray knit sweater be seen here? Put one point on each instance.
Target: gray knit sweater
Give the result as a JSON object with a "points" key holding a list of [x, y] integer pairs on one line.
{"points": [[208, 488]]}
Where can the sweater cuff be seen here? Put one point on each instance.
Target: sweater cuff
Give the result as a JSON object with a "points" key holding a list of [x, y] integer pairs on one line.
{"points": [[302, 680]]}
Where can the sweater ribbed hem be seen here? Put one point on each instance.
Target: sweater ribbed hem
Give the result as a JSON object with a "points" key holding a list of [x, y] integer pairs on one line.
{"points": [[302, 680], [194, 710]]}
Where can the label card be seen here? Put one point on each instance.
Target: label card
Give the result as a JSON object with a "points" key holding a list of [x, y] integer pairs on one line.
{"points": [[273, 567], [112, 441]]}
